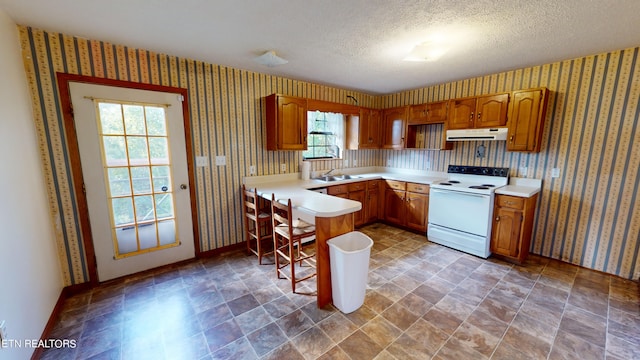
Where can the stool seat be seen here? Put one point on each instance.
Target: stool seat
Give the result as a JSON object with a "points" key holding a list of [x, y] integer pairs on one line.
{"points": [[258, 224], [288, 234]]}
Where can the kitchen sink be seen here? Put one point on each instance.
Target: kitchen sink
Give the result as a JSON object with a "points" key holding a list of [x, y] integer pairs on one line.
{"points": [[329, 178]]}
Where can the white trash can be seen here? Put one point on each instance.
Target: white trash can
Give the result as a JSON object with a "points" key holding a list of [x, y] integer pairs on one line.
{"points": [[349, 258]]}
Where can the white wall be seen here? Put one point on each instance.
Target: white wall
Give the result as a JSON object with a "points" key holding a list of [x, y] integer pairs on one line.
{"points": [[30, 277]]}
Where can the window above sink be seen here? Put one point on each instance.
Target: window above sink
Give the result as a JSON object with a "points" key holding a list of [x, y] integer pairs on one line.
{"points": [[325, 135]]}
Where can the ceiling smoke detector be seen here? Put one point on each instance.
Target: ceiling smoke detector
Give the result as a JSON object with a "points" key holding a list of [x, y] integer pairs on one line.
{"points": [[270, 59]]}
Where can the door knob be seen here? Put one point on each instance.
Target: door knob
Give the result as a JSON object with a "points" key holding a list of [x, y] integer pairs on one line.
{"points": [[183, 186]]}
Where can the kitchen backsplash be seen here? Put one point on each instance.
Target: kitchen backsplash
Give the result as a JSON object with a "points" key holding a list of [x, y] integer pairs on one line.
{"points": [[585, 215]]}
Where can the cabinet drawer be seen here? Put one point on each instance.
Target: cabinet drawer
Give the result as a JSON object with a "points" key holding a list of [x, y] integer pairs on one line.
{"points": [[337, 189], [373, 184], [418, 188], [397, 185], [357, 186], [512, 202]]}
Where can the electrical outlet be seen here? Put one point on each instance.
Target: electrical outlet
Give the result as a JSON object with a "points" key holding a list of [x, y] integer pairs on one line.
{"points": [[355, 163], [252, 170], [346, 163], [523, 171], [283, 167], [388, 162], [202, 161], [555, 173], [221, 160]]}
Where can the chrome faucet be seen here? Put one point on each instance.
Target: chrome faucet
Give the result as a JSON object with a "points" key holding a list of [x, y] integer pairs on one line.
{"points": [[328, 173]]}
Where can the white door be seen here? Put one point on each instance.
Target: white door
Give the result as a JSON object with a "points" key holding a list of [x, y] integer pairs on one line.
{"points": [[134, 164]]}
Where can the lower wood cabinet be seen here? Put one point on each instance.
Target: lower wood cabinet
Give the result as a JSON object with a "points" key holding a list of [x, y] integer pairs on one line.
{"points": [[365, 192], [512, 227], [406, 205]]}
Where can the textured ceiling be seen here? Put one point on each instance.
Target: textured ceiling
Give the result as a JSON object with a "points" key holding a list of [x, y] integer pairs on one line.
{"points": [[352, 44]]}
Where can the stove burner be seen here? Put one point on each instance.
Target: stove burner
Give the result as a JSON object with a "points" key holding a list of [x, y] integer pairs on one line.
{"points": [[488, 185], [454, 181], [479, 187], [446, 183]]}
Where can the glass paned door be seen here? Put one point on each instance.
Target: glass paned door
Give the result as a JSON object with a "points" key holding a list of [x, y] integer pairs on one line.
{"points": [[137, 169]]}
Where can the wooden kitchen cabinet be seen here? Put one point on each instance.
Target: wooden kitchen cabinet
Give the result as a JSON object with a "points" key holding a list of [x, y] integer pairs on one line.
{"points": [[527, 114], [394, 122], [417, 202], [407, 205], [339, 191], [357, 192], [512, 227], [478, 112], [363, 130], [429, 113], [372, 203], [286, 122]]}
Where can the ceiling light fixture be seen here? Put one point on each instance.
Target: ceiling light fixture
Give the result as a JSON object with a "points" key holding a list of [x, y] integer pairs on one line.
{"points": [[426, 51], [270, 59]]}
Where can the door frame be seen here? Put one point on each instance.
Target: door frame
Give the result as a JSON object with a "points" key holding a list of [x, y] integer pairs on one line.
{"points": [[76, 169]]}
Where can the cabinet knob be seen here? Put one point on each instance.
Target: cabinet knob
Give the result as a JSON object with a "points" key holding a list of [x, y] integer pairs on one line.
{"points": [[479, 114], [471, 116], [511, 138], [497, 218]]}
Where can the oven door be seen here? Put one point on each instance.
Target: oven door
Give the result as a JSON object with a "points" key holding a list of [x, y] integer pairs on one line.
{"points": [[460, 211]]}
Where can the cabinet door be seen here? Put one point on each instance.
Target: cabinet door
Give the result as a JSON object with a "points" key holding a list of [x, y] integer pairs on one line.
{"points": [[417, 205], [505, 238], [526, 119], [358, 216], [394, 122], [374, 137], [394, 207], [491, 111], [418, 114], [372, 205], [461, 113], [437, 112], [286, 123]]}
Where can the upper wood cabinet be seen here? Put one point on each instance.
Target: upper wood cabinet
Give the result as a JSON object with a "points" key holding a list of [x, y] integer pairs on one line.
{"points": [[363, 130], [478, 112], [394, 122], [527, 113], [286, 122], [430, 113]]}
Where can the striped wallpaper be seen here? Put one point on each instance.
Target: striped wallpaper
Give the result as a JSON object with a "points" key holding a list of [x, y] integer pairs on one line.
{"points": [[586, 216]]}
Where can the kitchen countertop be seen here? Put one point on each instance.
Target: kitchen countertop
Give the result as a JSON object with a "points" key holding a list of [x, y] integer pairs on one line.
{"points": [[521, 187], [289, 186]]}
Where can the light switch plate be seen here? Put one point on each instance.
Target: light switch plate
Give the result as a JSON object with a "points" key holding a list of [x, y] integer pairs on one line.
{"points": [[523, 171], [221, 160], [252, 170], [202, 161], [555, 173], [283, 167]]}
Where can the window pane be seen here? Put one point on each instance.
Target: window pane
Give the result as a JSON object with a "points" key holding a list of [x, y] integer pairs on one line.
{"points": [[159, 150], [111, 118], [167, 232], [144, 208], [137, 150], [134, 120], [161, 179], [156, 124], [119, 181], [164, 206], [141, 180], [122, 211], [147, 235], [126, 240], [114, 150]]}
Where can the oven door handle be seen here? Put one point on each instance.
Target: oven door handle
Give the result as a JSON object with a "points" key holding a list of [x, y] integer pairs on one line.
{"points": [[453, 192]]}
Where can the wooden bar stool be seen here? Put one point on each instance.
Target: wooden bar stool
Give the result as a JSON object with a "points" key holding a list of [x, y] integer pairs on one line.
{"points": [[257, 224], [287, 238]]}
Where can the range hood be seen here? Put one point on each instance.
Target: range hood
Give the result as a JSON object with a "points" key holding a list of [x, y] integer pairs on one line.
{"points": [[477, 134]]}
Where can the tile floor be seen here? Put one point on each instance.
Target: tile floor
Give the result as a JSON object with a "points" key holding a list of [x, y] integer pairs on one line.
{"points": [[423, 301]]}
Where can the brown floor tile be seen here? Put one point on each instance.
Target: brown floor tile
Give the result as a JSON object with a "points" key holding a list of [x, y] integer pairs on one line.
{"points": [[528, 345], [406, 347], [533, 327], [416, 304], [286, 351], [294, 323], [223, 334], [567, 346], [239, 349], [476, 339], [585, 325], [428, 335], [400, 316], [337, 327], [360, 346], [376, 301], [381, 331], [455, 349], [266, 339], [313, 343]]}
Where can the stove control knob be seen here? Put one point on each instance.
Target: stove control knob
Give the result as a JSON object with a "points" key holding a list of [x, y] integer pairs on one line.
{"points": [[485, 171]]}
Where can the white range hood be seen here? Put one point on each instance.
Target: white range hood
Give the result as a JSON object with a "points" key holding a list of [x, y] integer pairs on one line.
{"points": [[477, 134]]}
